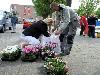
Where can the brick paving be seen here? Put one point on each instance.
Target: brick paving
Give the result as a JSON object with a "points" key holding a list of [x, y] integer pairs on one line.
{"points": [[83, 60], [85, 56]]}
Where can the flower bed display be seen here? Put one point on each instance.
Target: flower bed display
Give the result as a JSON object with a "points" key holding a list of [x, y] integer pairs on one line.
{"points": [[11, 53], [30, 53], [55, 66]]}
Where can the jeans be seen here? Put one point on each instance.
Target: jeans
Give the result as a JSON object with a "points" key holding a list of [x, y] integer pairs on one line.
{"points": [[13, 26]]}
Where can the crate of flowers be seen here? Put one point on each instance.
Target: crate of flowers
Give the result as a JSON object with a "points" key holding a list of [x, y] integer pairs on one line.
{"points": [[55, 66], [30, 53], [47, 50], [11, 53]]}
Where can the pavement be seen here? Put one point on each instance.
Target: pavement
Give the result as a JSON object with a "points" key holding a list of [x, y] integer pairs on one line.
{"points": [[84, 58]]}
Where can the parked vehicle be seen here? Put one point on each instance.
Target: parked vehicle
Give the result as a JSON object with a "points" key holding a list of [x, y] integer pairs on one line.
{"points": [[27, 22], [1, 25], [8, 23]]}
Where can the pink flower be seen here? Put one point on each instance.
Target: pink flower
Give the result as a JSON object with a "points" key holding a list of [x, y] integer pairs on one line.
{"points": [[33, 49], [37, 50], [26, 50], [54, 45]]}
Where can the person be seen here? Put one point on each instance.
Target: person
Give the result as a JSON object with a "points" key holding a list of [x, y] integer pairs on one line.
{"points": [[92, 23], [14, 21], [66, 25], [84, 26], [37, 29], [4, 20]]}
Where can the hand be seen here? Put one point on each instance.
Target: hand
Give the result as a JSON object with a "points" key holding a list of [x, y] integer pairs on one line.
{"points": [[93, 25], [57, 32]]}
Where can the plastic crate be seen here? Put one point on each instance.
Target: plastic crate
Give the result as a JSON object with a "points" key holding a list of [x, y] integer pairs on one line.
{"points": [[97, 23]]}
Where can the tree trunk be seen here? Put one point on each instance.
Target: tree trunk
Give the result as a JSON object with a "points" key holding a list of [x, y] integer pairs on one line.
{"points": [[69, 2]]}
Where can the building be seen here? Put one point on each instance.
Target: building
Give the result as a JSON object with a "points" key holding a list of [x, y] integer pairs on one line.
{"points": [[24, 11]]}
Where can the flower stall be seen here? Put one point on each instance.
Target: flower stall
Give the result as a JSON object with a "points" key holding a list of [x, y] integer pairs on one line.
{"points": [[11, 53], [48, 49]]}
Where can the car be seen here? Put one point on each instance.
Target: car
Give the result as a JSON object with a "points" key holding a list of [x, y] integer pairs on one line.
{"points": [[1, 25], [27, 22], [1, 29]]}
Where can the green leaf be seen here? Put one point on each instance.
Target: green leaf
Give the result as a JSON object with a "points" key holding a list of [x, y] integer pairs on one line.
{"points": [[88, 7], [43, 6]]}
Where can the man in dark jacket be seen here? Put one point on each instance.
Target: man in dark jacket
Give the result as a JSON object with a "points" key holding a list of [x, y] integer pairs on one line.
{"points": [[92, 23]]}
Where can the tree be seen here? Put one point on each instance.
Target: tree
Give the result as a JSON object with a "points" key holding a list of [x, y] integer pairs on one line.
{"points": [[43, 6], [87, 7], [98, 12]]}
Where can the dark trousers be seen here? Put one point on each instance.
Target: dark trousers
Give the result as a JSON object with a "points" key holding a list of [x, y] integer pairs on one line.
{"points": [[66, 43], [82, 29], [91, 32], [61, 37], [67, 37], [4, 25]]}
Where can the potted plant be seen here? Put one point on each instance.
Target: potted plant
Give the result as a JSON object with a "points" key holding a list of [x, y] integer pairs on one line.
{"points": [[55, 66], [47, 51], [11, 53], [30, 53]]}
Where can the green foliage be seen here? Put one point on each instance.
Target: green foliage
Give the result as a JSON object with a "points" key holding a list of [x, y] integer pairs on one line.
{"points": [[43, 6], [28, 56], [46, 49], [98, 13], [11, 56], [87, 7]]}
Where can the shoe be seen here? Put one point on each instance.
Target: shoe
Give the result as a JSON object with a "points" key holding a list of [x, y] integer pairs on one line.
{"points": [[62, 54], [68, 53], [13, 32]]}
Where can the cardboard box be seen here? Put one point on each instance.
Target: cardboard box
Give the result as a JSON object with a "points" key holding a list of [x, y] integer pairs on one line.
{"points": [[98, 35]]}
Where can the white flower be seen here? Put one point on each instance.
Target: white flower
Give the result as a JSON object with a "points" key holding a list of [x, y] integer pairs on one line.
{"points": [[1, 52], [10, 49], [45, 65], [43, 53]]}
